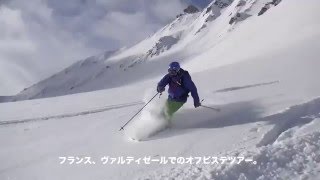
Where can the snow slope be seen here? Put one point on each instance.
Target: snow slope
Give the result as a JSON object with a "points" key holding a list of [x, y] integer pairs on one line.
{"points": [[261, 72], [173, 41]]}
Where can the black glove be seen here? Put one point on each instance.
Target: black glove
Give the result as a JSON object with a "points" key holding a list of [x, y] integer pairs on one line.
{"points": [[197, 104], [160, 89]]}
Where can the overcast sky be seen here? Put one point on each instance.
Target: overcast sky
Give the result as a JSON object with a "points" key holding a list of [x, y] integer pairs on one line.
{"points": [[40, 37]]}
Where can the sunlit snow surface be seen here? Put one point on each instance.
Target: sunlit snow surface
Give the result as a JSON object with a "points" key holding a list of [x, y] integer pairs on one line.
{"points": [[262, 72]]}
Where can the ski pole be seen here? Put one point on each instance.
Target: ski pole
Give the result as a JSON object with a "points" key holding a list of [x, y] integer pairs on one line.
{"points": [[138, 112], [216, 109]]}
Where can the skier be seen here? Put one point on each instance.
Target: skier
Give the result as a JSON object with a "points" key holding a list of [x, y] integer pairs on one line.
{"points": [[180, 84]]}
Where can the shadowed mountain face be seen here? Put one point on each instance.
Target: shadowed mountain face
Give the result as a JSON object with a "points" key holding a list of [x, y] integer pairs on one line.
{"points": [[164, 44]]}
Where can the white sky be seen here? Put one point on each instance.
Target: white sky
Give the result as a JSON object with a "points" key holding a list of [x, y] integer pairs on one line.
{"points": [[41, 37]]}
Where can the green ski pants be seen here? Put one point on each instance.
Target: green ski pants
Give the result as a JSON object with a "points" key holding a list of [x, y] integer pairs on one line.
{"points": [[171, 107]]}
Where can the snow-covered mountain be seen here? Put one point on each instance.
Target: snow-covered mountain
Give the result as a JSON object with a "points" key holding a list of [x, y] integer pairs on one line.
{"points": [[180, 40], [256, 60]]}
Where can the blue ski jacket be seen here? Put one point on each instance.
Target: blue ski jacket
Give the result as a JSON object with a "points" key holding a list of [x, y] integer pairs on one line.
{"points": [[180, 86]]}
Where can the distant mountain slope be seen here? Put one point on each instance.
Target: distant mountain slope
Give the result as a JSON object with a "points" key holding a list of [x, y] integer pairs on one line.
{"points": [[262, 72], [191, 34]]}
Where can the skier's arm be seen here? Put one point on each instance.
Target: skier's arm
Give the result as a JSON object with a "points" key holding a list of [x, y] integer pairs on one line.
{"points": [[163, 82], [188, 83]]}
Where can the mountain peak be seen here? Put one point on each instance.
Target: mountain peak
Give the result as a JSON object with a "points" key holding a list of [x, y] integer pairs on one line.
{"points": [[191, 9]]}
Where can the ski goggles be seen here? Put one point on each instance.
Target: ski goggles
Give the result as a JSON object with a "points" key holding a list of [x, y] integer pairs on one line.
{"points": [[173, 71]]}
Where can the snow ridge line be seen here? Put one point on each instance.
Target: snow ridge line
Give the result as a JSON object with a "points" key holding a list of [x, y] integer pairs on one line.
{"points": [[295, 116], [61, 116]]}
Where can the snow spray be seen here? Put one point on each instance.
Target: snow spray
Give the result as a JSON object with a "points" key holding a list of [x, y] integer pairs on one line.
{"points": [[150, 121]]}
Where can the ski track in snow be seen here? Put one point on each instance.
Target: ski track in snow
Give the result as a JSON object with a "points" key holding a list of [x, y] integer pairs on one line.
{"points": [[235, 88], [61, 116]]}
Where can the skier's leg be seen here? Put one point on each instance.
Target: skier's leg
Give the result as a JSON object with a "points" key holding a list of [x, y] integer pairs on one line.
{"points": [[170, 108]]}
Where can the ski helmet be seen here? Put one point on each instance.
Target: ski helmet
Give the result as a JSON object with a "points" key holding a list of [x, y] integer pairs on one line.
{"points": [[174, 68]]}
